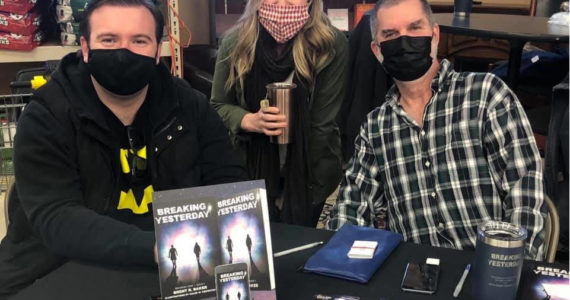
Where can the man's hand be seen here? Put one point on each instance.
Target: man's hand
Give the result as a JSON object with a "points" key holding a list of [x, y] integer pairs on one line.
{"points": [[267, 121]]}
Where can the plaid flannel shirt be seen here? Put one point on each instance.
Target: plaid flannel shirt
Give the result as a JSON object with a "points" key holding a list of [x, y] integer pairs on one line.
{"points": [[474, 159]]}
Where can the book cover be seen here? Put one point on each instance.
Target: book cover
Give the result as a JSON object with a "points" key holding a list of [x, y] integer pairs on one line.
{"points": [[544, 281], [214, 240], [339, 18], [359, 10]]}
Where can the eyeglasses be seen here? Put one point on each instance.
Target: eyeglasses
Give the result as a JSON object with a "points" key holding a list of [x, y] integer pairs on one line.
{"points": [[138, 161]]}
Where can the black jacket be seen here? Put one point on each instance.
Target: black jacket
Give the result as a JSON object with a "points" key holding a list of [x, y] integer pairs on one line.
{"points": [[66, 172], [366, 89], [556, 160]]}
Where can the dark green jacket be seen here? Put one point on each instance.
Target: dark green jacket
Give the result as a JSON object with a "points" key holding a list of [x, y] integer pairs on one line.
{"points": [[325, 100]]}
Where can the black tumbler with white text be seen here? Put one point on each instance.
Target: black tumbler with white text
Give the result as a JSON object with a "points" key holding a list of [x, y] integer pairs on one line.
{"points": [[499, 256]]}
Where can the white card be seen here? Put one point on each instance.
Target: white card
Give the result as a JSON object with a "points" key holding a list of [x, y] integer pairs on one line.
{"points": [[363, 249]]}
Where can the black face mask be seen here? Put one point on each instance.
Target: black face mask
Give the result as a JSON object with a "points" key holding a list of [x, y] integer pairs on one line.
{"points": [[407, 58], [121, 71]]}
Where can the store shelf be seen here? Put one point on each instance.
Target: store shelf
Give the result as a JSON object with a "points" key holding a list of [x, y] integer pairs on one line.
{"points": [[50, 52]]}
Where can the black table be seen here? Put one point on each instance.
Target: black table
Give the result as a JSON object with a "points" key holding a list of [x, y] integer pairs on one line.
{"points": [[515, 28], [79, 280]]}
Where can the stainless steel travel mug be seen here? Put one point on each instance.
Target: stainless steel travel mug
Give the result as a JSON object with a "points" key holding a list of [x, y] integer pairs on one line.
{"points": [[280, 95]]}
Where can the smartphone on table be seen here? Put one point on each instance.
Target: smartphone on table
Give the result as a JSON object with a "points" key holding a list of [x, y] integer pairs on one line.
{"points": [[421, 278]]}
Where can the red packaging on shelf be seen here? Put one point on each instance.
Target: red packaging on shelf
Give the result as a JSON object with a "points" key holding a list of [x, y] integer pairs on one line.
{"points": [[19, 24], [20, 7], [12, 41]]}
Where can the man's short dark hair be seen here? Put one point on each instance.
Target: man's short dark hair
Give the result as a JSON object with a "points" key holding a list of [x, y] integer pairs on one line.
{"points": [[387, 3], [84, 27]]}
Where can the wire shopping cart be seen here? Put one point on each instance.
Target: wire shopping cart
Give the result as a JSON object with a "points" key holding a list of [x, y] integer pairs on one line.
{"points": [[11, 107]]}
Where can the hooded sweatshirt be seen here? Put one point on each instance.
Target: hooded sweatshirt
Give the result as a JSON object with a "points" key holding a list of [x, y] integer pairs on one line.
{"points": [[71, 199]]}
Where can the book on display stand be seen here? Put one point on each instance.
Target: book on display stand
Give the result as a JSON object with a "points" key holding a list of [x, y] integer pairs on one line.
{"points": [[214, 242]]}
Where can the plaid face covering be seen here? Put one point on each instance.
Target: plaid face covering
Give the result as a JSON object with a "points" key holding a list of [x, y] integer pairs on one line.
{"points": [[283, 22]]}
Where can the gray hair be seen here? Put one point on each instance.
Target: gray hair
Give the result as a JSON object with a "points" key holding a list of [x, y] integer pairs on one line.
{"points": [[387, 3]]}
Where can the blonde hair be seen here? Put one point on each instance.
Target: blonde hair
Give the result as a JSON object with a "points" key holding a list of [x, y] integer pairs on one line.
{"points": [[311, 48]]}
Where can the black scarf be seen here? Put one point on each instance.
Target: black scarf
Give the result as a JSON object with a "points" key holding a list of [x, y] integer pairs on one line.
{"points": [[271, 66]]}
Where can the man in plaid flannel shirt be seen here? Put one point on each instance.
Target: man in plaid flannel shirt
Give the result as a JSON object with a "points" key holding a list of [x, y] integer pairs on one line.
{"points": [[446, 151]]}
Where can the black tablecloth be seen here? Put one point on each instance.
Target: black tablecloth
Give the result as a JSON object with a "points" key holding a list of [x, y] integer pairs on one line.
{"points": [[80, 280]]}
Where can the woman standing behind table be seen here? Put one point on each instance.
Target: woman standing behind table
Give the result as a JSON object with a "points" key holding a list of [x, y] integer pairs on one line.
{"points": [[272, 40]]}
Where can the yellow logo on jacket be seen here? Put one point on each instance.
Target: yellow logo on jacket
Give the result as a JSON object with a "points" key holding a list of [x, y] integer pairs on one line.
{"points": [[127, 200]]}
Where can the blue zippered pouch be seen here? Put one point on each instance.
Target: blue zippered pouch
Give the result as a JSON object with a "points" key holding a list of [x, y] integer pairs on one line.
{"points": [[332, 259]]}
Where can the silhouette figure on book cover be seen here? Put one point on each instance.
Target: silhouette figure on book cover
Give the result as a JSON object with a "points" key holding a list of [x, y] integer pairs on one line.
{"points": [[173, 254], [197, 252], [252, 267], [248, 244], [230, 246]]}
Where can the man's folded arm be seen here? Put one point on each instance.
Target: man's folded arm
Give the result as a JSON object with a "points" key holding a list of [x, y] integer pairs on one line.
{"points": [[515, 164], [360, 191], [48, 185]]}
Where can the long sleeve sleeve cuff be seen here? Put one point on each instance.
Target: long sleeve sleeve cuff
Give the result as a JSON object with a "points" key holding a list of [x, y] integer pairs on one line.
{"points": [[141, 248]]}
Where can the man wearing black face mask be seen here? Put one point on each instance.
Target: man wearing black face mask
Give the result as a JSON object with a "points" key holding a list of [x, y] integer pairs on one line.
{"points": [[110, 127], [446, 151]]}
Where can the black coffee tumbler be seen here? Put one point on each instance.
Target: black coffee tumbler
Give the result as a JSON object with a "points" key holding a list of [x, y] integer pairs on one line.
{"points": [[499, 255]]}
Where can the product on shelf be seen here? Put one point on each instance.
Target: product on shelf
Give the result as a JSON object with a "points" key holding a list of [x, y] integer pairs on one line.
{"points": [[69, 33], [78, 7], [20, 7], [12, 41], [69, 39], [64, 13], [69, 14], [70, 10], [19, 24], [69, 27]]}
